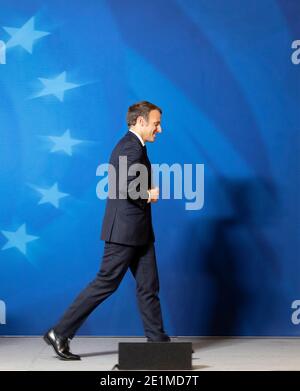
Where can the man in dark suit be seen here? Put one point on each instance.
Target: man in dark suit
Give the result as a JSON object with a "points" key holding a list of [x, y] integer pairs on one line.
{"points": [[128, 234]]}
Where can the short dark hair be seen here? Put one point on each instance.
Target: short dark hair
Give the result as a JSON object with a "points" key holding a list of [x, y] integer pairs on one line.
{"points": [[140, 109]]}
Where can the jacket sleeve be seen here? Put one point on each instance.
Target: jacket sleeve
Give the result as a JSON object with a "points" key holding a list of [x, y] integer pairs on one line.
{"points": [[128, 185]]}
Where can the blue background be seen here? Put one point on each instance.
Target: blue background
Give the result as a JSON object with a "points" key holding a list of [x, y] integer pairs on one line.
{"points": [[222, 73]]}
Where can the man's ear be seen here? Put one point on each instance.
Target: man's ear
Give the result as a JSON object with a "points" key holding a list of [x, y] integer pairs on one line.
{"points": [[140, 120]]}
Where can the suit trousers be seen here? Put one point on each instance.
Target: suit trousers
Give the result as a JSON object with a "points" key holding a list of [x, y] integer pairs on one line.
{"points": [[117, 258]]}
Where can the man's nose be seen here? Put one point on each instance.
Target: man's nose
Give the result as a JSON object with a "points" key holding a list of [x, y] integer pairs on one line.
{"points": [[159, 129]]}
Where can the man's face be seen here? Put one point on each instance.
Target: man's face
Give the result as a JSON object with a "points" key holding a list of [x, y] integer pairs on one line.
{"points": [[150, 128]]}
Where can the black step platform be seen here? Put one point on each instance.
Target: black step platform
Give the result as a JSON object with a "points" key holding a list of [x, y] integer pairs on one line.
{"points": [[155, 355]]}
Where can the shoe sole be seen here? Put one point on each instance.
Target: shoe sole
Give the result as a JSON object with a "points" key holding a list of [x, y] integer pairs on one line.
{"points": [[49, 342]]}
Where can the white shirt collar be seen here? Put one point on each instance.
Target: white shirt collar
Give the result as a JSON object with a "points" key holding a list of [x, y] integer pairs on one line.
{"points": [[138, 136]]}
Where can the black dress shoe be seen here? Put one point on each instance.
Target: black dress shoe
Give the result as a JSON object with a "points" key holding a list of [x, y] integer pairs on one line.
{"points": [[60, 346]]}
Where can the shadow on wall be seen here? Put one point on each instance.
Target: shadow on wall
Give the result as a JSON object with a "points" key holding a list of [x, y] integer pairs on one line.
{"points": [[231, 271]]}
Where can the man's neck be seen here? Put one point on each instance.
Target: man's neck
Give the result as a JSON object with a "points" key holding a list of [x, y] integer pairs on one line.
{"points": [[138, 135]]}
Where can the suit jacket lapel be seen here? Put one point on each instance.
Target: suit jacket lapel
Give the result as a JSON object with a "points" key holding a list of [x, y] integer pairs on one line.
{"points": [[148, 163]]}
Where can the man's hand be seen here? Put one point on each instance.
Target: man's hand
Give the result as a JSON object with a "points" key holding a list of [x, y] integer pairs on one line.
{"points": [[153, 194]]}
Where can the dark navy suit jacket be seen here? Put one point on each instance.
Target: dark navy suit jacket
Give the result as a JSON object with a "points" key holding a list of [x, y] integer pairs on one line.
{"points": [[128, 221]]}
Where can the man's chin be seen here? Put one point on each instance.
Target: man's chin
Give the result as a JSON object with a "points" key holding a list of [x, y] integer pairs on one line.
{"points": [[151, 139]]}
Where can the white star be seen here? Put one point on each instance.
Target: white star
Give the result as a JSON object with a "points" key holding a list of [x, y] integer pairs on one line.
{"points": [[56, 86], [64, 143], [24, 36], [18, 239], [51, 195]]}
